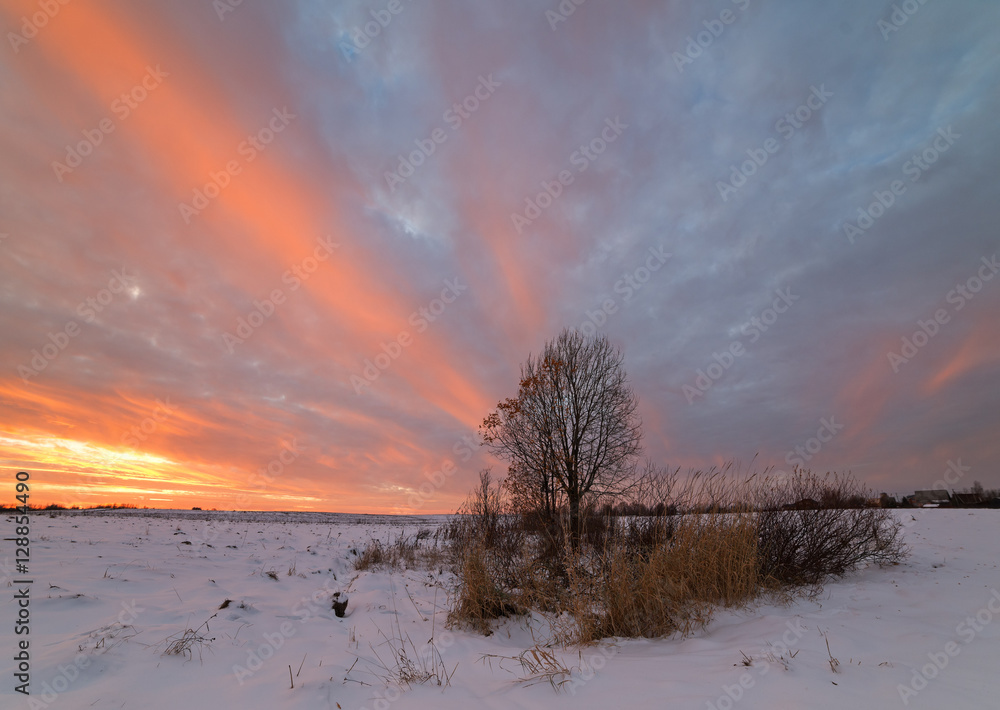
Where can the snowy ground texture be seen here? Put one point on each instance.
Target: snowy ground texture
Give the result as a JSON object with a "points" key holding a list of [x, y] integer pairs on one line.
{"points": [[112, 592]]}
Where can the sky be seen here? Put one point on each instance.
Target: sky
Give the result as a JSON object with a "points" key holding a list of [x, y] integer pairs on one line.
{"points": [[289, 255]]}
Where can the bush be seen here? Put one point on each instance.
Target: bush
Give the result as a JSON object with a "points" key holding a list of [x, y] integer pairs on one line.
{"points": [[807, 547], [488, 548], [666, 571]]}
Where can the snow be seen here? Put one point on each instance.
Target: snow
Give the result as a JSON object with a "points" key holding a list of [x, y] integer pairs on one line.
{"points": [[112, 590]]}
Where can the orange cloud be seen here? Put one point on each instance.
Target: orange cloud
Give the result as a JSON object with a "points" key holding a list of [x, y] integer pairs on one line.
{"points": [[979, 348]]}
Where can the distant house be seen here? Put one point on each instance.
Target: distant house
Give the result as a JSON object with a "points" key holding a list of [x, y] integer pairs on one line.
{"points": [[967, 500], [938, 498]]}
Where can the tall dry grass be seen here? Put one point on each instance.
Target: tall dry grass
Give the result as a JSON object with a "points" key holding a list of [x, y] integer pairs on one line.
{"points": [[631, 590], [405, 552], [704, 541]]}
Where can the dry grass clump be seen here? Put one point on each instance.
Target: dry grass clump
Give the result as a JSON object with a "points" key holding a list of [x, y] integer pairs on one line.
{"points": [[489, 552], [671, 585], [184, 643], [108, 637], [406, 665], [420, 550], [686, 547], [482, 599], [536, 665]]}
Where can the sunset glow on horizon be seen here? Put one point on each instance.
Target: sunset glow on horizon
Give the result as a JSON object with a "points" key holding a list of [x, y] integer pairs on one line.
{"points": [[289, 256]]}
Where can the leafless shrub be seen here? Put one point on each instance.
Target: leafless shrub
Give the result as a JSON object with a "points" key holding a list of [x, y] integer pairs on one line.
{"points": [[804, 545], [703, 540], [488, 552]]}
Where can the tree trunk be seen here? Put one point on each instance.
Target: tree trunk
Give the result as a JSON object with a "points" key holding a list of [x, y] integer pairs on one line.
{"points": [[574, 522]]}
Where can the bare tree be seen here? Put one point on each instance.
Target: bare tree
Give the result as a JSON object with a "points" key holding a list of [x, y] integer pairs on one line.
{"points": [[533, 490], [572, 430]]}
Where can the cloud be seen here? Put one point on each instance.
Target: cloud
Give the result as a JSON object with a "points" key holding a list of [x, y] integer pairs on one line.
{"points": [[288, 139]]}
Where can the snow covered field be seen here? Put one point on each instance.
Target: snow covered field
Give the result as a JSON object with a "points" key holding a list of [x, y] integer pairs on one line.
{"points": [[113, 592]]}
